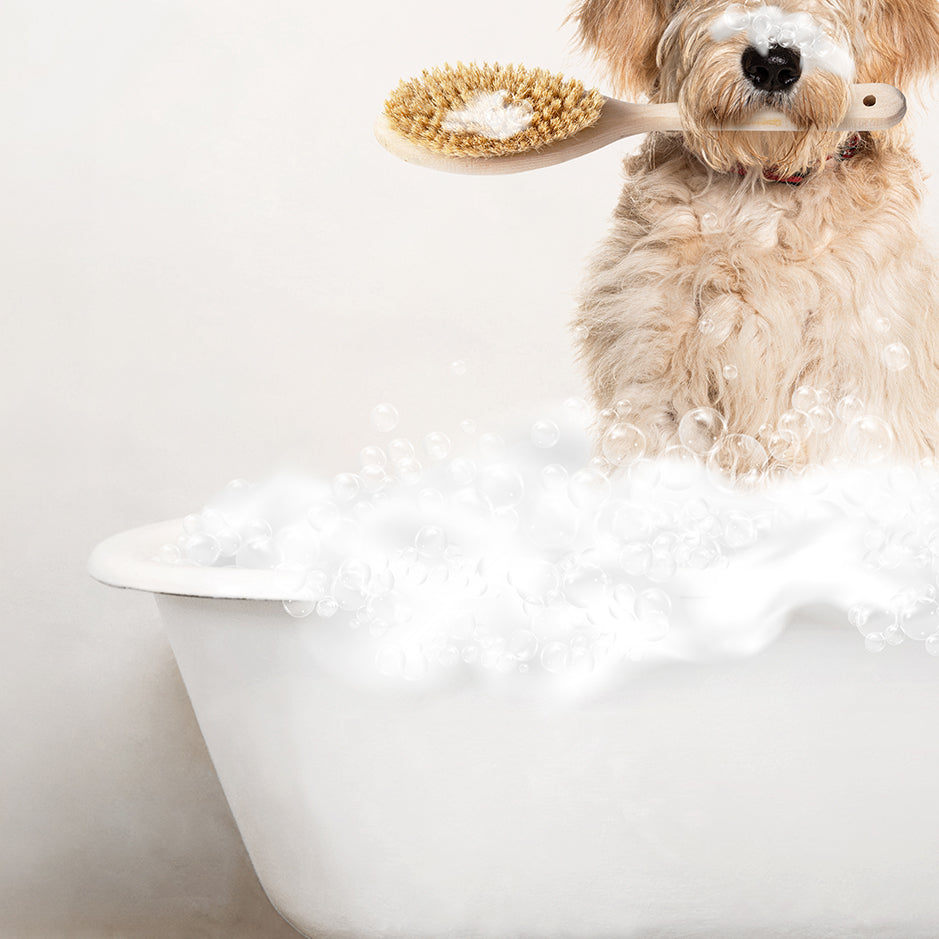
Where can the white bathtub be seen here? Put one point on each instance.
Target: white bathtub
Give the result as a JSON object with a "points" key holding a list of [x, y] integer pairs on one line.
{"points": [[791, 793]]}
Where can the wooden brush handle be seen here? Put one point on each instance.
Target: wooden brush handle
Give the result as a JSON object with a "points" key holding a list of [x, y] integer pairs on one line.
{"points": [[870, 107]]}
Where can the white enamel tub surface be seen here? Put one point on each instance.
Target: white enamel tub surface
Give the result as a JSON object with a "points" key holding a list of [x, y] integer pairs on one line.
{"points": [[791, 793]]}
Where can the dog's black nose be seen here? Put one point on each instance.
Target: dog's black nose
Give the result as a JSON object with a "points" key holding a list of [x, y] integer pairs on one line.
{"points": [[778, 70]]}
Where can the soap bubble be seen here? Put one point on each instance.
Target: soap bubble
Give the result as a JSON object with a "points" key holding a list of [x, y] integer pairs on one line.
{"points": [[700, 429], [533, 579], [373, 456], [545, 434], [893, 634], [400, 449], [256, 528], [522, 645], [384, 417], [491, 447], [869, 621], [354, 572], [299, 608], [315, 585], [502, 485], [581, 332], [729, 372], [882, 325], [458, 367], [709, 221], [327, 607], [795, 422], [804, 398], [374, 478], [430, 541], [895, 357], [705, 325], [584, 585], [652, 608], [347, 595], [738, 456], [784, 446], [623, 444], [437, 445], [431, 499], [409, 471], [575, 406], [870, 439], [849, 409], [346, 486], [554, 476], [858, 615], [875, 642], [201, 548], [555, 657], [589, 487], [461, 471], [635, 558], [822, 418], [786, 37]]}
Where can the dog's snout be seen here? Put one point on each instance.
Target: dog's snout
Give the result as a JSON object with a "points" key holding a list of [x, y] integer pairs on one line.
{"points": [[777, 70]]}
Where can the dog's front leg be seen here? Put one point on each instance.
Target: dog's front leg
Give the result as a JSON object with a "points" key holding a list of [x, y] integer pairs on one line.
{"points": [[643, 339]]}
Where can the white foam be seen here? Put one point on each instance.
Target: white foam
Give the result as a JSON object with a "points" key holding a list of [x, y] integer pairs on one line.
{"points": [[769, 25], [522, 557], [488, 113]]}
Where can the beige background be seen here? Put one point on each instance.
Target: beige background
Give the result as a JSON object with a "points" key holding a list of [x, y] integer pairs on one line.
{"points": [[208, 270]]}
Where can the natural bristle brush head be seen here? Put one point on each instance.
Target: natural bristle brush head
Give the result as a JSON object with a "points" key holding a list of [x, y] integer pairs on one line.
{"points": [[490, 110]]}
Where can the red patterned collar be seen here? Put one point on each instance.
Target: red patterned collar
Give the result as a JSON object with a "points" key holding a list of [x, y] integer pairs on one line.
{"points": [[845, 152]]}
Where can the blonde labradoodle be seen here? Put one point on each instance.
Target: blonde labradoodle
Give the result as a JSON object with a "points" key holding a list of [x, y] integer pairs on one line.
{"points": [[776, 278]]}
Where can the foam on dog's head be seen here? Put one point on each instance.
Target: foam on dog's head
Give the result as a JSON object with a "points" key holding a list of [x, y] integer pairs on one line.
{"points": [[768, 26]]}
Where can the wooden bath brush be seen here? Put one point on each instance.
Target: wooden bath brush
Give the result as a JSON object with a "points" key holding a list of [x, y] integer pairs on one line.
{"points": [[488, 119]]}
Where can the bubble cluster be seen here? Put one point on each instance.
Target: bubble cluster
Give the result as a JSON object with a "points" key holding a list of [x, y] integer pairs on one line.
{"points": [[766, 26], [527, 556]]}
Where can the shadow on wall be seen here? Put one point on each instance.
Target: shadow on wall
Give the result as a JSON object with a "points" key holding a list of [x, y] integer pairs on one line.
{"points": [[146, 847]]}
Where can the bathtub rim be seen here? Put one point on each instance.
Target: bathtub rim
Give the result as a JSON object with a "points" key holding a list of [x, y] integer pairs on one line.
{"points": [[128, 560]]}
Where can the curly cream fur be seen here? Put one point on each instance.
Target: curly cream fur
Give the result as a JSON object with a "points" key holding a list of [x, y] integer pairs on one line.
{"points": [[794, 285]]}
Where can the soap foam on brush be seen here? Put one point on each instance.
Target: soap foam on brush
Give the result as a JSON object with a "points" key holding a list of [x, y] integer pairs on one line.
{"points": [[487, 113]]}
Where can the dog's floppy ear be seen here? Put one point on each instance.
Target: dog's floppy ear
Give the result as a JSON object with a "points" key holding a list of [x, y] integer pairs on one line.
{"points": [[903, 41], [624, 35]]}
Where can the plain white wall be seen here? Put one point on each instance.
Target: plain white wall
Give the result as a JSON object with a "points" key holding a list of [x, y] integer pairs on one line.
{"points": [[208, 269]]}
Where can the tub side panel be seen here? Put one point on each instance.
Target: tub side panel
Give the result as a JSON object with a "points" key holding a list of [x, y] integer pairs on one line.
{"points": [[792, 791]]}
